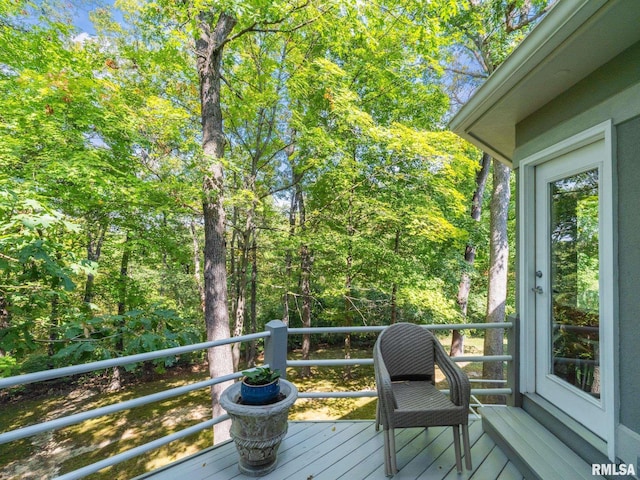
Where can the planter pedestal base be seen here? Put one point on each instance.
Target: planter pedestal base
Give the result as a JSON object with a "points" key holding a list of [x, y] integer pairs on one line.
{"points": [[257, 430]]}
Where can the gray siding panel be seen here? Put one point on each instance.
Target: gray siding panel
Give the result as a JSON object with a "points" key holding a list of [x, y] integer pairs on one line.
{"points": [[628, 159], [612, 78], [610, 93]]}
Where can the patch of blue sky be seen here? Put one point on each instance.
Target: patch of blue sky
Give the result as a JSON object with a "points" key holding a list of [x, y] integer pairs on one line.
{"points": [[81, 13]]}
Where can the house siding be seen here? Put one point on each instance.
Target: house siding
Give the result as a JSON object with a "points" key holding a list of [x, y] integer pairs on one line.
{"points": [[628, 154], [610, 93]]}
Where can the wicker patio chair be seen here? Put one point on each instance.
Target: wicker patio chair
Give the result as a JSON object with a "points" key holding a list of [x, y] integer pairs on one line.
{"points": [[404, 357]]}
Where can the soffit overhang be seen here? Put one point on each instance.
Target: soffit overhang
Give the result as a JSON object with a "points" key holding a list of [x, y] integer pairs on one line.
{"points": [[574, 39]]}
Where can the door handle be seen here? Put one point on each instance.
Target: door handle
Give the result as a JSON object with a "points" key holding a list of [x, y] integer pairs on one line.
{"points": [[537, 290]]}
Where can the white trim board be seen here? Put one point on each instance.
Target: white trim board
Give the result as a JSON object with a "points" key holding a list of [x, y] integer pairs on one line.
{"points": [[628, 443], [608, 259]]}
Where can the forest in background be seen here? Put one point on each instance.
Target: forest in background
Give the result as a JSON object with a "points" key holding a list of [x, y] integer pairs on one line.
{"points": [[345, 200]]}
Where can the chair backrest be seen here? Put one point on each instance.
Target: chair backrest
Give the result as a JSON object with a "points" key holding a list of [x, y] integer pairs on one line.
{"points": [[408, 352]]}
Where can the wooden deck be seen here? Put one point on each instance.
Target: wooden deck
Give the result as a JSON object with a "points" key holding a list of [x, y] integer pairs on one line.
{"points": [[353, 451]]}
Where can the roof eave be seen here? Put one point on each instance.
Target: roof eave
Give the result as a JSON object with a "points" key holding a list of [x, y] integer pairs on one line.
{"points": [[560, 23]]}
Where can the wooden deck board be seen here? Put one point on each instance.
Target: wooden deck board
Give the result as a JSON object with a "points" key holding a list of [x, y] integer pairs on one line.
{"points": [[479, 452], [510, 472], [312, 456], [495, 461], [430, 462], [353, 451], [367, 449]]}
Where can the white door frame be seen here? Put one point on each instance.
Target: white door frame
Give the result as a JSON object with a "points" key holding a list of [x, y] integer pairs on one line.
{"points": [[608, 270]]}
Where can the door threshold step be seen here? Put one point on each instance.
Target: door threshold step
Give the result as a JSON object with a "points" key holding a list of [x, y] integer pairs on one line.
{"points": [[534, 450]]}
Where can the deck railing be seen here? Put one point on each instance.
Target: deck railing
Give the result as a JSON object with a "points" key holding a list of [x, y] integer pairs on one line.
{"points": [[275, 355]]}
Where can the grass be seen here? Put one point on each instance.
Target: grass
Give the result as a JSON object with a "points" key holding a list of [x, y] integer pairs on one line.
{"points": [[55, 453]]}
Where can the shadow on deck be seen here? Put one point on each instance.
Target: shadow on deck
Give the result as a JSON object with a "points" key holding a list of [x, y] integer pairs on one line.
{"points": [[353, 450]]}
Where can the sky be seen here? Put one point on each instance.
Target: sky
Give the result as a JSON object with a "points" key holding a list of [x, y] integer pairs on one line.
{"points": [[82, 8], [81, 17]]}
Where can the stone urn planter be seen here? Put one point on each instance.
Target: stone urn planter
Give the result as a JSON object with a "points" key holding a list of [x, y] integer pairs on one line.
{"points": [[258, 430]]}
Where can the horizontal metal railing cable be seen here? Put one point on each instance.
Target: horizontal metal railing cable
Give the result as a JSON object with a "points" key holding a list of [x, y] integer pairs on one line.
{"points": [[330, 362], [482, 358], [121, 361], [369, 361], [110, 409], [73, 419], [360, 394], [339, 362], [453, 326], [373, 393], [136, 451], [482, 380]]}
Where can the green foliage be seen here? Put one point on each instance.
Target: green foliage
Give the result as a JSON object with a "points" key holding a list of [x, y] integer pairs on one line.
{"points": [[338, 104], [8, 366], [138, 331], [260, 376]]}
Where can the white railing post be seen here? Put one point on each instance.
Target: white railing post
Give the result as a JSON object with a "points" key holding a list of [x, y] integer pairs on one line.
{"points": [[513, 367], [275, 349]]}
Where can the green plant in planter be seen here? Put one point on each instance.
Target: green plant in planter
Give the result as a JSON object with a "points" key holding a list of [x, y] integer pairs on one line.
{"points": [[258, 428], [260, 376], [260, 386]]}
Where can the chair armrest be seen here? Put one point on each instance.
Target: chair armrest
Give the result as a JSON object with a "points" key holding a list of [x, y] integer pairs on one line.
{"points": [[386, 397], [459, 385]]}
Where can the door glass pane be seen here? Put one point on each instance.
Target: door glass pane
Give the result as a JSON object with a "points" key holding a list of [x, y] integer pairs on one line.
{"points": [[575, 297]]}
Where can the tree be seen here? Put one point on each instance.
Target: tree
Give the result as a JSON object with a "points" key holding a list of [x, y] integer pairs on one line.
{"points": [[254, 114], [484, 33], [498, 270], [213, 37], [84, 135], [303, 141], [364, 106], [464, 288], [214, 32], [58, 147]]}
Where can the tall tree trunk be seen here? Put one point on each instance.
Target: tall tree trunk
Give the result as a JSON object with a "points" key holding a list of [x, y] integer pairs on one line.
{"points": [[348, 295], [288, 261], [54, 323], [498, 270], [306, 262], [234, 270], [213, 33], [196, 263], [54, 317], [251, 354], [5, 319], [294, 207], [164, 280], [116, 377], [394, 288], [123, 280], [245, 243], [457, 339], [241, 292], [348, 319], [94, 250]]}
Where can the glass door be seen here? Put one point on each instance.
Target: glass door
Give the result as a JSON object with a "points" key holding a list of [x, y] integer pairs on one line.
{"points": [[568, 284]]}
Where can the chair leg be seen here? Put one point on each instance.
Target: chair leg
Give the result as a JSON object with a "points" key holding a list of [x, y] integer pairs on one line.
{"points": [[387, 460], [378, 415], [389, 452], [467, 448], [392, 451], [456, 446]]}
